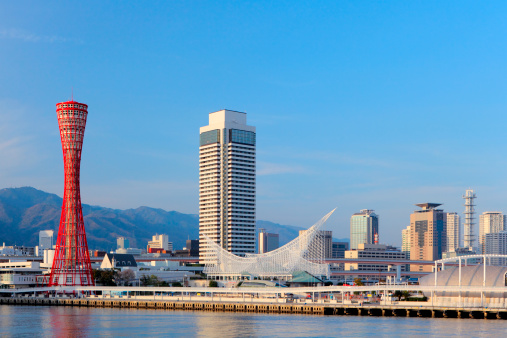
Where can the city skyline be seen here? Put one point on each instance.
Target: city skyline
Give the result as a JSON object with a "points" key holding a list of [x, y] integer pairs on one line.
{"points": [[364, 107]]}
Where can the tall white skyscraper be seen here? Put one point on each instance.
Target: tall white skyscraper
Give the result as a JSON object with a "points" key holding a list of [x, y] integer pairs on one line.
{"points": [[405, 241], [453, 233], [490, 222], [227, 184]]}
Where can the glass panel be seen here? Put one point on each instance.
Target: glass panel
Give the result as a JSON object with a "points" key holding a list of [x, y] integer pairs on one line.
{"points": [[242, 136], [209, 137]]}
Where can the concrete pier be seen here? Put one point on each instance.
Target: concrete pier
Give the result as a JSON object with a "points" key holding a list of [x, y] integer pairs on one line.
{"points": [[312, 309]]}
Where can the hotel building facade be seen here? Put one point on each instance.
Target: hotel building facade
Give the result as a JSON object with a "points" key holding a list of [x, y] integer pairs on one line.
{"points": [[227, 184]]}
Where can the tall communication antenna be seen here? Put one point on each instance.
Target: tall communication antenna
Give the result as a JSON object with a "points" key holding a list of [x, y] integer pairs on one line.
{"points": [[469, 237]]}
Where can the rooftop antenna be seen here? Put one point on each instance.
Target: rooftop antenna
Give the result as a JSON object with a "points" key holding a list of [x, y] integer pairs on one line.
{"points": [[72, 93]]}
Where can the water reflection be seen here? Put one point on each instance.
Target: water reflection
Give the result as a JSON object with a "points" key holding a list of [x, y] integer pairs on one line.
{"points": [[67, 321], [225, 324], [80, 322]]}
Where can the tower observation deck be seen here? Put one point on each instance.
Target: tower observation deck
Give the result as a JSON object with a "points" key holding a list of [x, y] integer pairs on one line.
{"points": [[71, 265]]}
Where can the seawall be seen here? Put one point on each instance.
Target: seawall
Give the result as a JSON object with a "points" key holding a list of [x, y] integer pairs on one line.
{"points": [[311, 309]]}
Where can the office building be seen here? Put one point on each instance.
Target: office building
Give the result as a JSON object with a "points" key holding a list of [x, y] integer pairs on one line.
{"points": [[428, 235], [122, 243], [323, 242], [405, 241], [268, 241], [490, 222], [453, 231], [496, 243], [374, 252], [338, 249], [363, 228], [46, 240], [227, 184], [71, 264], [192, 245], [160, 243]]}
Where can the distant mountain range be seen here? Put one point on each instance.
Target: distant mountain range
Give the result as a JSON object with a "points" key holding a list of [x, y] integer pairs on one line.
{"points": [[25, 211]]}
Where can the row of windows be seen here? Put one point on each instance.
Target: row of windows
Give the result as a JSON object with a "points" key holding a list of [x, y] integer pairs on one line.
{"points": [[241, 176], [241, 163], [209, 152], [71, 114], [235, 155], [243, 195], [239, 190], [241, 180], [73, 105], [234, 147]]}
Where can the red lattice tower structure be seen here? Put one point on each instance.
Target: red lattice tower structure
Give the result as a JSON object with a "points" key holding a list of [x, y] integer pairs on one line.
{"points": [[71, 265]]}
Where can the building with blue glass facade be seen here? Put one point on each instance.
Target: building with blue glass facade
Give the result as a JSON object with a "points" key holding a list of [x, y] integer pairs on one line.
{"points": [[363, 228], [227, 184]]}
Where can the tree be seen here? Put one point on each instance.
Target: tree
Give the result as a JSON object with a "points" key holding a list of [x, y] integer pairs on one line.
{"points": [[144, 280], [405, 295], [149, 280], [105, 277], [213, 284], [177, 284], [126, 276], [398, 294], [358, 282]]}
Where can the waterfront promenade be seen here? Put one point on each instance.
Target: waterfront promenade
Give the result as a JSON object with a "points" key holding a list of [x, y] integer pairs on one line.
{"points": [[331, 300]]}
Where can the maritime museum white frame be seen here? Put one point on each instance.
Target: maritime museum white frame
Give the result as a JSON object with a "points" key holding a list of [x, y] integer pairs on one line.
{"points": [[304, 253]]}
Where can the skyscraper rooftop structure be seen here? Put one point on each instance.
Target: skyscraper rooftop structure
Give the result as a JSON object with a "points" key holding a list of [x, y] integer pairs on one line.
{"points": [[71, 265], [227, 184]]}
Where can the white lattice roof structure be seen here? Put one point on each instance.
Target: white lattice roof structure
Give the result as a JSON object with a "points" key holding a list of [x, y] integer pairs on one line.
{"points": [[304, 253]]}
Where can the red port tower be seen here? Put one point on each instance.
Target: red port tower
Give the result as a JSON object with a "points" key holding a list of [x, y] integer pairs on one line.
{"points": [[71, 265]]}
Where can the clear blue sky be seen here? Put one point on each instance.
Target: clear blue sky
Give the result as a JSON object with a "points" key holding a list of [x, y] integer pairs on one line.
{"points": [[357, 104]]}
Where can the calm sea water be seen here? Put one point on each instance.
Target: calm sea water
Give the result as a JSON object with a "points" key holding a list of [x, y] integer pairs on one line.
{"points": [[20, 321]]}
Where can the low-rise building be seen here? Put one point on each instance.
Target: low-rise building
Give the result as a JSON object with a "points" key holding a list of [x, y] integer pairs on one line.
{"points": [[129, 251], [118, 261], [16, 274], [379, 252]]}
